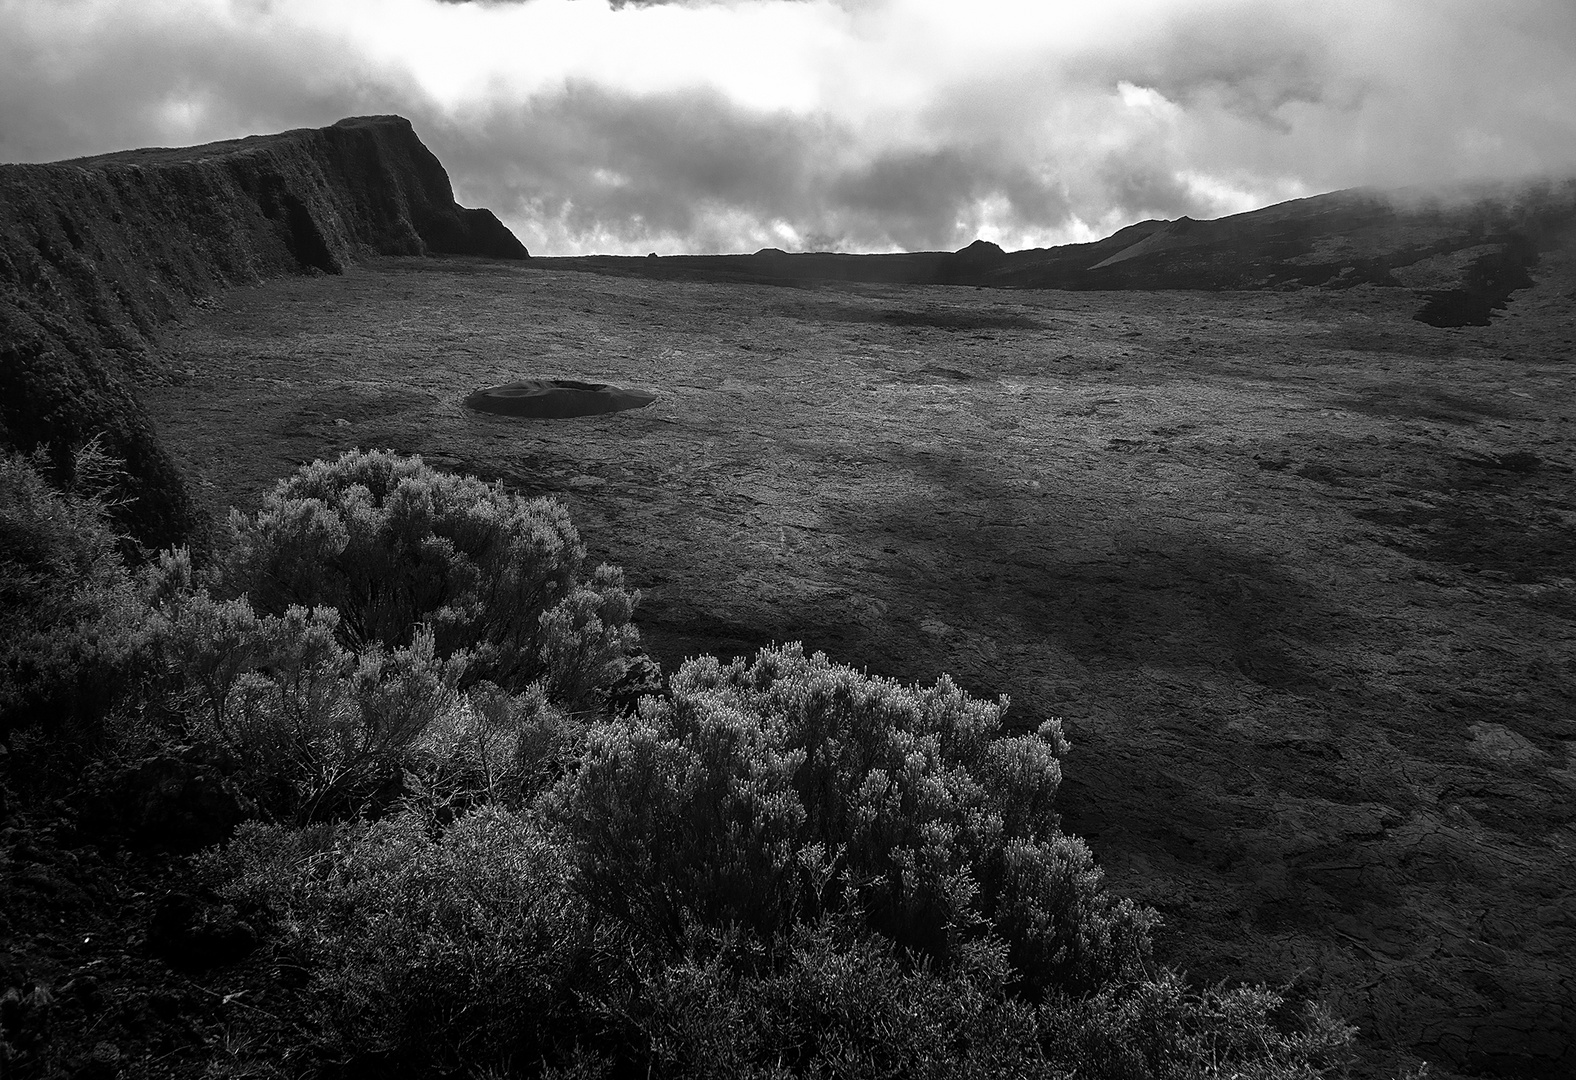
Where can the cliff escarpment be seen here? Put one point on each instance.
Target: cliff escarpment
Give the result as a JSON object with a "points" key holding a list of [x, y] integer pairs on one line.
{"points": [[97, 252]]}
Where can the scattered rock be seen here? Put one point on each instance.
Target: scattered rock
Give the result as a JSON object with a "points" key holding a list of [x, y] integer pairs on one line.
{"points": [[85, 991], [168, 804], [25, 1016], [193, 934], [47, 885], [103, 1062]]}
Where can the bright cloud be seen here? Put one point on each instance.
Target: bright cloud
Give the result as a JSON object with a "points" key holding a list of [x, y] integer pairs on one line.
{"points": [[701, 125]]}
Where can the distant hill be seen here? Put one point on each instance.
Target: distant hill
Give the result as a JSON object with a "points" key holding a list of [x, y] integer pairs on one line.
{"points": [[95, 253], [1465, 250]]}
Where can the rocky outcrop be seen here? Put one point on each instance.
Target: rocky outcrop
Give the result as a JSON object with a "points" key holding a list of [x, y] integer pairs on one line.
{"points": [[96, 253]]}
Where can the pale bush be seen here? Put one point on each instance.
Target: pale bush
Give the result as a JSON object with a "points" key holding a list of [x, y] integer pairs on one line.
{"points": [[379, 629], [430, 953], [392, 544], [830, 999], [495, 747], [1160, 1029], [834, 1001], [314, 729], [764, 791]]}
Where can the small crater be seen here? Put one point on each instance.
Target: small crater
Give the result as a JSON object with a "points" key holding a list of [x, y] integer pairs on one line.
{"points": [[1324, 474], [1517, 461], [939, 318], [933, 373], [1420, 403], [556, 399]]}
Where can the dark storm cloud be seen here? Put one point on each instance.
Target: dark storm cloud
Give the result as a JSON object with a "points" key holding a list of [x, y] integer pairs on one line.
{"points": [[863, 124]]}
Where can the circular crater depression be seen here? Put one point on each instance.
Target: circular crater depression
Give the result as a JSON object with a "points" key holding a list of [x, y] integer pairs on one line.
{"points": [[556, 398]]}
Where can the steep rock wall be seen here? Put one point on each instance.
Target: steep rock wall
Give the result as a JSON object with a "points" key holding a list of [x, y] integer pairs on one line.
{"points": [[95, 253]]}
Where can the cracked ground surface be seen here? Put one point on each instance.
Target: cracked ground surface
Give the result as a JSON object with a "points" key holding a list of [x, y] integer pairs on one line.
{"points": [[1298, 572]]}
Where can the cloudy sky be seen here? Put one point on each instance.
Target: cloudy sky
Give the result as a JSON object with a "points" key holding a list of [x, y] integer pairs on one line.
{"points": [[859, 125]]}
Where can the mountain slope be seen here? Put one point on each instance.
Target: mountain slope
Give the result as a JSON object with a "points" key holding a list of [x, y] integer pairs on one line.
{"points": [[1464, 251]]}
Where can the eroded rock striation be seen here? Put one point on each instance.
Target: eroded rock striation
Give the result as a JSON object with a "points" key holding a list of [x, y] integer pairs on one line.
{"points": [[96, 253]]}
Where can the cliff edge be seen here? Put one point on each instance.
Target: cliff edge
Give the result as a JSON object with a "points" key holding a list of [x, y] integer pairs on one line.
{"points": [[96, 252]]}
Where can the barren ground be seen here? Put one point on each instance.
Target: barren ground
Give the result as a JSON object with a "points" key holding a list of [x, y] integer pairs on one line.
{"points": [[1296, 570]]}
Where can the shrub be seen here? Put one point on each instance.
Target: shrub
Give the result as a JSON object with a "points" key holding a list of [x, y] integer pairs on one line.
{"points": [[763, 792], [1159, 1029], [837, 1002], [317, 730], [66, 603], [429, 953], [495, 747], [347, 652], [314, 729], [784, 867], [392, 544]]}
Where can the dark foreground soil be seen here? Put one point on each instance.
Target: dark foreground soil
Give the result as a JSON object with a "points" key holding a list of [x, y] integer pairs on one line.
{"points": [[100, 983], [1298, 571]]}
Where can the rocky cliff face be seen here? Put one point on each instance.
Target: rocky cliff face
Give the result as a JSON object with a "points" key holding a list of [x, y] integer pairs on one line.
{"points": [[96, 253]]}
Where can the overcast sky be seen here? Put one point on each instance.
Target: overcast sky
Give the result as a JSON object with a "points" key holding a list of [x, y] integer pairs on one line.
{"points": [[859, 125]]}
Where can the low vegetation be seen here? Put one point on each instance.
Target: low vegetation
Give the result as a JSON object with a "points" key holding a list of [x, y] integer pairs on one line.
{"points": [[479, 835]]}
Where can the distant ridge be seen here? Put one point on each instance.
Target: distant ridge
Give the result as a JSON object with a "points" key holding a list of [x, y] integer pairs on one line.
{"points": [[97, 252], [1465, 251]]}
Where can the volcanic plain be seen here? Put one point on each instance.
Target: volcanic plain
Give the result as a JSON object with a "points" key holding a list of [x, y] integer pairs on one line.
{"points": [[1297, 571]]}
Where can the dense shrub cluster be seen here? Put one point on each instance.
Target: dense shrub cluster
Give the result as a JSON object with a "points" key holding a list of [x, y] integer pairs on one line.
{"points": [[488, 864], [788, 785], [375, 626], [477, 946], [64, 597], [393, 545], [430, 952], [844, 1003]]}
